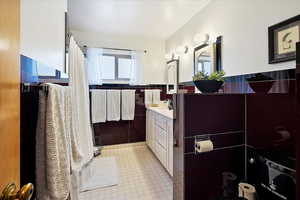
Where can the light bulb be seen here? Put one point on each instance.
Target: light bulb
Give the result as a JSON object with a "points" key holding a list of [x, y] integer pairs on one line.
{"points": [[182, 49], [199, 38]]}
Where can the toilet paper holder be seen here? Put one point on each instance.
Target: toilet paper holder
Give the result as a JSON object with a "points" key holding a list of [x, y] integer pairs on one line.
{"points": [[200, 138]]}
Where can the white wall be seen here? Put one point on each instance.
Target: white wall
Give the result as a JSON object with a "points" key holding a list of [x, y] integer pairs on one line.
{"points": [[155, 68], [244, 27], [43, 31]]}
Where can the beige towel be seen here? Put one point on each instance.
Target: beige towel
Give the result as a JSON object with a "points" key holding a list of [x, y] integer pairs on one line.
{"points": [[113, 105], [148, 97], [53, 146], [156, 96], [128, 104], [98, 106]]}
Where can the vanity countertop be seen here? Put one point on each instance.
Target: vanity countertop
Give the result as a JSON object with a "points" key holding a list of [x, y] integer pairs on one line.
{"points": [[163, 111]]}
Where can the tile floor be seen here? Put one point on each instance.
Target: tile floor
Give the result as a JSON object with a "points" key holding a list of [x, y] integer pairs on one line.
{"points": [[142, 177]]}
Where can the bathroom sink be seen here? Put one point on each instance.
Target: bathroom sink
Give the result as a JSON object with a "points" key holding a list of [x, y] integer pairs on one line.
{"points": [[162, 110]]}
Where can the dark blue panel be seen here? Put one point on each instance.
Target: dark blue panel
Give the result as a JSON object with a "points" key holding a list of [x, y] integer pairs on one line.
{"points": [[33, 71], [28, 70]]}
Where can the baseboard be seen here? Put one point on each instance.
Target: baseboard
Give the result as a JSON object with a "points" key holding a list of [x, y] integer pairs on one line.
{"points": [[118, 146]]}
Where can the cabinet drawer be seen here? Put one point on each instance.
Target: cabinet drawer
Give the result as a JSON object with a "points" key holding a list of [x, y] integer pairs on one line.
{"points": [[161, 121], [161, 154], [162, 137], [157, 119]]}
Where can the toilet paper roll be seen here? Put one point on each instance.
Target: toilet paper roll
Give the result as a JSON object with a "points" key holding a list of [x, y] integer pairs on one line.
{"points": [[204, 146], [247, 191]]}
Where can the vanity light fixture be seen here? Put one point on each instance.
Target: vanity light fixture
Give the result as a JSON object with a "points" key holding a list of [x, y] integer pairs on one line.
{"points": [[170, 56], [200, 39], [182, 49], [176, 57]]}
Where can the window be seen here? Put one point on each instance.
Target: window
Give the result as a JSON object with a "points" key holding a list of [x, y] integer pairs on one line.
{"points": [[108, 65], [116, 67], [124, 68]]}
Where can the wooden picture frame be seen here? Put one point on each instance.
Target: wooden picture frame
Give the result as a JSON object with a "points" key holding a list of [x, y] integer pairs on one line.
{"points": [[282, 40]]}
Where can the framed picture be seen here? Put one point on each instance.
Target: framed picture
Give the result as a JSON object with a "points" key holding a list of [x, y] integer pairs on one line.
{"points": [[282, 40]]}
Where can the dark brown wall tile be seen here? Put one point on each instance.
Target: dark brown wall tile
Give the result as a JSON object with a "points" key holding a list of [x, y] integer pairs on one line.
{"points": [[111, 133], [210, 114], [203, 173], [271, 123], [137, 129]]}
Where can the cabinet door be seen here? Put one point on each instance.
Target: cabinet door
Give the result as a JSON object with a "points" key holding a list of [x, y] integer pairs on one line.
{"points": [[152, 130], [10, 92], [170, 146], [148, 128], [162, 137]]}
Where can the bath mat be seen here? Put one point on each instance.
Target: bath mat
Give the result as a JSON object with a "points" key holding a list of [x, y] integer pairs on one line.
{"points": [[102, 172]]}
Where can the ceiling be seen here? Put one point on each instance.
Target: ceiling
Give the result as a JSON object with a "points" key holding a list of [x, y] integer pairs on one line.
{"points": [[146, 18]]}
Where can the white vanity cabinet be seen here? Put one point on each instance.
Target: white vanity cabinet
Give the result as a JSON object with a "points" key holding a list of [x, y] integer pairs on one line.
{"points": [[150, 128], [159, 137], [170, 146]]}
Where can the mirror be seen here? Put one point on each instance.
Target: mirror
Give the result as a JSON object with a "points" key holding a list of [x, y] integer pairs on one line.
{"points": [[172, 76], [204, 59], [207, 57]]}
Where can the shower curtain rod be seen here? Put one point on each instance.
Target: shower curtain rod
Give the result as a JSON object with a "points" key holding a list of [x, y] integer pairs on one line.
{"points": [[109, 48], [117, 49]]}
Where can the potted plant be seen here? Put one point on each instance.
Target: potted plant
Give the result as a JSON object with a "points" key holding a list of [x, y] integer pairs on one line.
{"points": [[209, 83], [260, 83]]}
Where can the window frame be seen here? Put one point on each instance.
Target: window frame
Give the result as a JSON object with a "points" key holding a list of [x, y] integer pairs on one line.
{"points": [[117, 56]]}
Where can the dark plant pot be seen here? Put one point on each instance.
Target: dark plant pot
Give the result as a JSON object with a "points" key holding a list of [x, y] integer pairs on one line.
{"points": [[261, 86], [208, 86]]}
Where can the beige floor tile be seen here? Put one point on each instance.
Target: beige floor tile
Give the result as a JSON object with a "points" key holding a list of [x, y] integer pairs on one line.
{"points": [[142, 177]]}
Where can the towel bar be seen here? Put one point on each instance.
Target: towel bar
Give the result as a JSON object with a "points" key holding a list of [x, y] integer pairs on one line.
{"points": [[216, 149], [143, 90], [27, 87]]}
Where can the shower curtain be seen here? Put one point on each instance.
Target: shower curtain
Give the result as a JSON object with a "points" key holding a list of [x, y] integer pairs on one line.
{"points": [[80, 101]]}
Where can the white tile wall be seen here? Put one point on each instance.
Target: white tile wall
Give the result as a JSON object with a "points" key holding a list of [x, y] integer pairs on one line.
{"points": [[142, 177]]}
